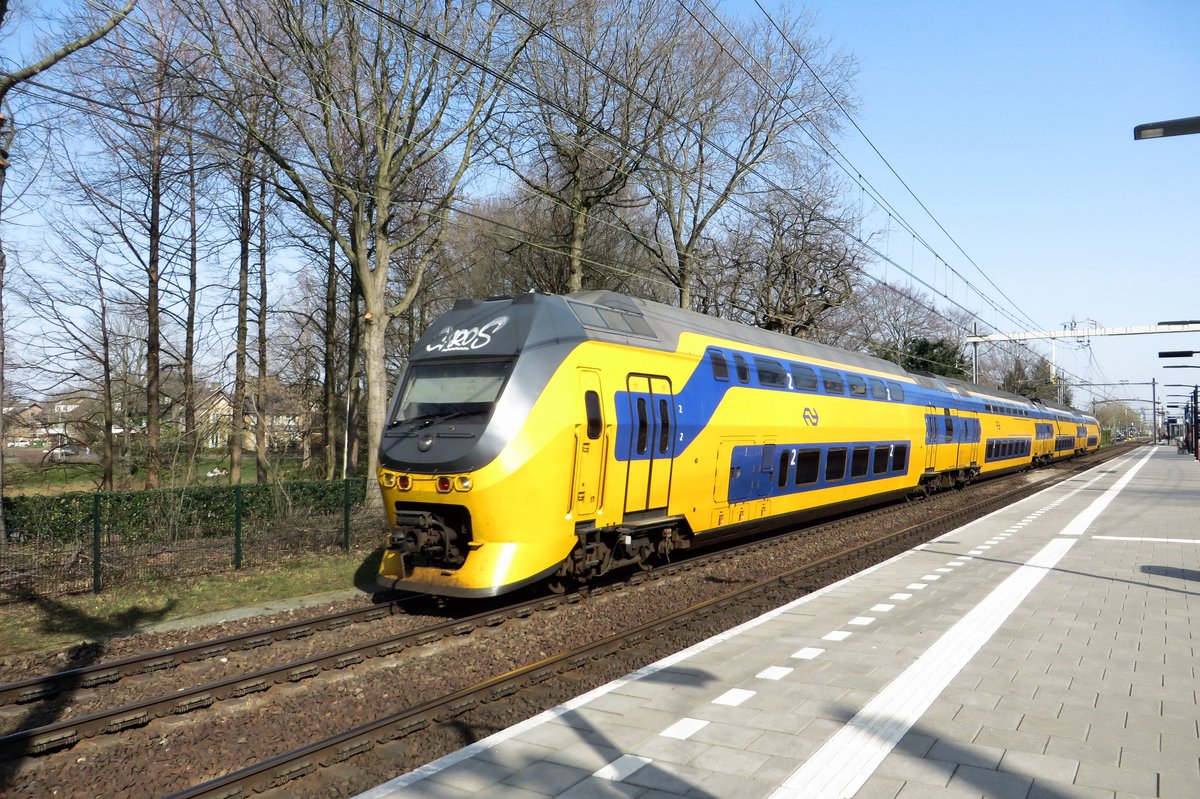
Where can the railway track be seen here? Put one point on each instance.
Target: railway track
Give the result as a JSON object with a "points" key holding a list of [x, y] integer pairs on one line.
{"points": [[543, 684], [432, 715]]}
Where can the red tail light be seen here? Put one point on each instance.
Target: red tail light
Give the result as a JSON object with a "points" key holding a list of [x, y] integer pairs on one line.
{"points": [[443, 484], [403, 482]]}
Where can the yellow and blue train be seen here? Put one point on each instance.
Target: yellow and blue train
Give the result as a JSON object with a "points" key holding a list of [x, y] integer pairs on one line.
{"points": [[554, 438]]}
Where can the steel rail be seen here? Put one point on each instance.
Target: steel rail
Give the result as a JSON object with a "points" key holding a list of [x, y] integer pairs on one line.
{"points": [[46, 686], [281, 769], [59, 735]]}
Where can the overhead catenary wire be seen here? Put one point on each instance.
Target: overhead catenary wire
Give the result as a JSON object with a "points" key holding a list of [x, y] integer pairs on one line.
{"points": [[432, 40]]}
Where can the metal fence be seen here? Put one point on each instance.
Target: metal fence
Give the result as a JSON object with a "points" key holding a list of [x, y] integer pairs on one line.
{"points": [[98, 540]]}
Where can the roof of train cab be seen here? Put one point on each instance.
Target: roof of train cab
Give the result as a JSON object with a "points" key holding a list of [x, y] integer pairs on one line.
{"points": [[660, 326], [498, 326], [510, 325]]}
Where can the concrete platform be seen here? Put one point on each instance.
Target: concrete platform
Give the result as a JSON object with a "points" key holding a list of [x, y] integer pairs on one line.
{"points": [[1046, 651]]}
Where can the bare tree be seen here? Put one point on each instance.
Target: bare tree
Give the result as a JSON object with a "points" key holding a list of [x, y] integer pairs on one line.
{"points": [[135, 179], [793, 258], [385, 111], [578, 123], [74, 337], [740, 104], [8, 81]]}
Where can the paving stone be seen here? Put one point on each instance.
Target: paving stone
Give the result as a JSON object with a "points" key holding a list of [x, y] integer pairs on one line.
{"points": [[917, 769], [1012, 739], [1138, 781], [1063, 728], [596, 788], [915, 790], [1044, 767], [966, 753], [716, 786], [1105, 753], [546, 777], [877, 787], [727, 760], [1178, 783], [1056, 790], [672, 778], [992, 784]]}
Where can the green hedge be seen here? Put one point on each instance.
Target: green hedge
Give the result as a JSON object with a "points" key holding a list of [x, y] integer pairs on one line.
{"points": [[170, 513]]}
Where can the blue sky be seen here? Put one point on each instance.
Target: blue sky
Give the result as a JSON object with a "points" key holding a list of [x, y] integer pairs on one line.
{"points": [[1013, 123]]}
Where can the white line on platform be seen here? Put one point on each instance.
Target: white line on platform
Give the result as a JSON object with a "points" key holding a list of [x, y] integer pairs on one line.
{"points": [[1148, 540], [1080, 523], [848, 759]]}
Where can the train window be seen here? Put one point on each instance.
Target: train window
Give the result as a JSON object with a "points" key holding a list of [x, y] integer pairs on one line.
{"points": [[808, 466], [612, 319], [858, 386], [895, 392], [770, 373], [860, 461], [588, 314], [949, 420], [444, 388], [835, 465], [643, 426], [785, 460], [664, 426], [743, 369], [640, 325], [615, 320], [900, 458], [878, 389], [832, 382], [880, 464], [804, 378], [720, 368], [595, 422]]}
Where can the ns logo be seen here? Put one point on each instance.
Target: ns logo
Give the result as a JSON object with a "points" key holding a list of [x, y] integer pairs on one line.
{"points": [[464, 339]]}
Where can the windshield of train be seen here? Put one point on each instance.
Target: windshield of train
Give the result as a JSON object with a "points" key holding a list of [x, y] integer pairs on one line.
{"points": [[449, 389]]}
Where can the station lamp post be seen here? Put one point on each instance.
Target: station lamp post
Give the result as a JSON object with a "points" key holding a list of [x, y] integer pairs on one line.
{"points": [[1170, 127], [1193, 430]]}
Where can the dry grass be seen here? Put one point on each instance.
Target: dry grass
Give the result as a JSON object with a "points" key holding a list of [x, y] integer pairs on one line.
{"points": [[35, 622]]}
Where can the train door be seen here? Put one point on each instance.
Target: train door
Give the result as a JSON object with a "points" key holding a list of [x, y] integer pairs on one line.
{"points": [[969, 449], [591, 441], [932, 438], [651, 442], [950, 452]]}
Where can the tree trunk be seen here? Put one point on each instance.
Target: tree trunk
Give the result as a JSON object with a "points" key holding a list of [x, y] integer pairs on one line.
{"points": [[6, 137], [245, 178], [153, 332], [260, 403], [329, 345], [353, 350], [191, 440]]}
